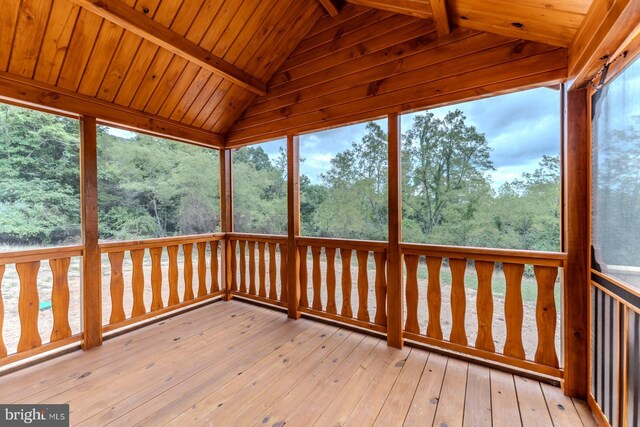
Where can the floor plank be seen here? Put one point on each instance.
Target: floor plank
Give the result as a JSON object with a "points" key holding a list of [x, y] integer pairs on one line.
{"points": [[586, 416], [451, 403], [339, 409], [477, 404], [504, 400], [234, 363], [396, 407], [561, 407], [425, 400]]}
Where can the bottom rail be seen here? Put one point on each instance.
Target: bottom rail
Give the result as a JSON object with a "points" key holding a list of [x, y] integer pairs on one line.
{"points": [[486, 355], [163, 311]]}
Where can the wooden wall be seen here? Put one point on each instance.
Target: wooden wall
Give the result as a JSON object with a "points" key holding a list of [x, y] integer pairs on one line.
{"points": [[365, 64]]}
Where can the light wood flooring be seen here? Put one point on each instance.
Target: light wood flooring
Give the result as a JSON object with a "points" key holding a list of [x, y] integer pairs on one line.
{"points": [[236, 364]]}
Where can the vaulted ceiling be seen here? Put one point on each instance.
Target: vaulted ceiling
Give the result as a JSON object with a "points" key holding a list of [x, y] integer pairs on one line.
{"points": [[197, 65]]}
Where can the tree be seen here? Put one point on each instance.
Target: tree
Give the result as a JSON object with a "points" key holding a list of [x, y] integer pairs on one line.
{"points": [[356, 182], [39, 172], [445, 162]]}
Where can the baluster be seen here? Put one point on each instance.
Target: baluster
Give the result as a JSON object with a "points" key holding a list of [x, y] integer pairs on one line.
{"points": [[381, 288], [215, 285], [3, 348], [546, 315], [434, 297], [156, 278], [243, 266], [233, 265], [458, 301], [202, 268], [304, 299], [513, 311], [316, 278], [363, 286], [273, 292], [60, 298], [187, 250], [284, 291], [116, 287], [411, 324], [262, 271], [252, 268], [28, 305], [137, 282], [345, 256], [174, 298], [484, 306], [331, 280]]}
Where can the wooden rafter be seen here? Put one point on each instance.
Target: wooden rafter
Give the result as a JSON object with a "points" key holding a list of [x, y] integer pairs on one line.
{"points": [[138, 23], [440, 17], [606, 31], [330, 6], [416, 8], [22, 91]]}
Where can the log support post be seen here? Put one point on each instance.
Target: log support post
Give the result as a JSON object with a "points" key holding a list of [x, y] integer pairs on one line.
{"points": [[395, 295], [293, 212], [576, 220], [91, 271], [226, 219]]}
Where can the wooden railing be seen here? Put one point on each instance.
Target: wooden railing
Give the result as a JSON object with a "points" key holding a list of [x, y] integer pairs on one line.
{"points": [[323, 298], [243, 260], [177, 248], [344, 281], [545, 266], [615, 349], [25, 277]]}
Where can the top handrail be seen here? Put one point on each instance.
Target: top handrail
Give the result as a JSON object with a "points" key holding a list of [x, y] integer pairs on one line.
{"points": [[329, 242], [30, 255], [261, 238], [120, 246], [553, 259]]}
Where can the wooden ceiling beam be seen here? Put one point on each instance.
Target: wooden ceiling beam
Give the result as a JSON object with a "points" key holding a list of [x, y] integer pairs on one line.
{"points": [[605, 32], [138, 23], [41, 96], [415, 8], [331, 7], [440, 17]]}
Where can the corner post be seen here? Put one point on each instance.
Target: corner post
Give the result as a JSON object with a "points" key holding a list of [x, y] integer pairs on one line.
{"points": [[395, 296], [226, 218], [577, 168], [91, 271], [293, 213]]}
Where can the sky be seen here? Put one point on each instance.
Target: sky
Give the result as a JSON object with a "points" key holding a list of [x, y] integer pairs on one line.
{"points": [[520, 128]]}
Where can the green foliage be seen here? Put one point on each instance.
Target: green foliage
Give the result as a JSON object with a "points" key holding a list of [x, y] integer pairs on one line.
{"points": [[40, 196], [148, 187], [151, 188], [260, 192]]}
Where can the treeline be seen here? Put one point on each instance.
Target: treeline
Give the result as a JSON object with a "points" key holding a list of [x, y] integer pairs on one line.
{"points": [[147, 187], [150, 188]]}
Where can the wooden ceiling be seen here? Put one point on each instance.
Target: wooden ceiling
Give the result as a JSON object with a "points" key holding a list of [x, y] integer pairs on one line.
{"points": [[192, 67]]}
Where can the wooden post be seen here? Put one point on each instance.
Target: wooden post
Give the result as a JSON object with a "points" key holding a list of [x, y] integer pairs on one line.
{"points": [[395, 295], [91, 271], [293, 209], [226, 218], [576, 242]]}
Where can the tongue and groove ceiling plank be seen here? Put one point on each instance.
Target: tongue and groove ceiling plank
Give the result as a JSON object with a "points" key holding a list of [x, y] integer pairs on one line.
{"points": [[136, 57]]}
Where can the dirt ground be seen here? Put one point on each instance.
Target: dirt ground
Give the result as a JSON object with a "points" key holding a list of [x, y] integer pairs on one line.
{"points": [[10, 293]]}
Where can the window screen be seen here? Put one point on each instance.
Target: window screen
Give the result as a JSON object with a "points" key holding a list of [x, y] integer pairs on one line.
{"points": [[616, 177]]}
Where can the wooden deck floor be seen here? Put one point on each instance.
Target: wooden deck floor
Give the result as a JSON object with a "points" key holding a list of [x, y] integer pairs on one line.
{"points": [[238, 364]]}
